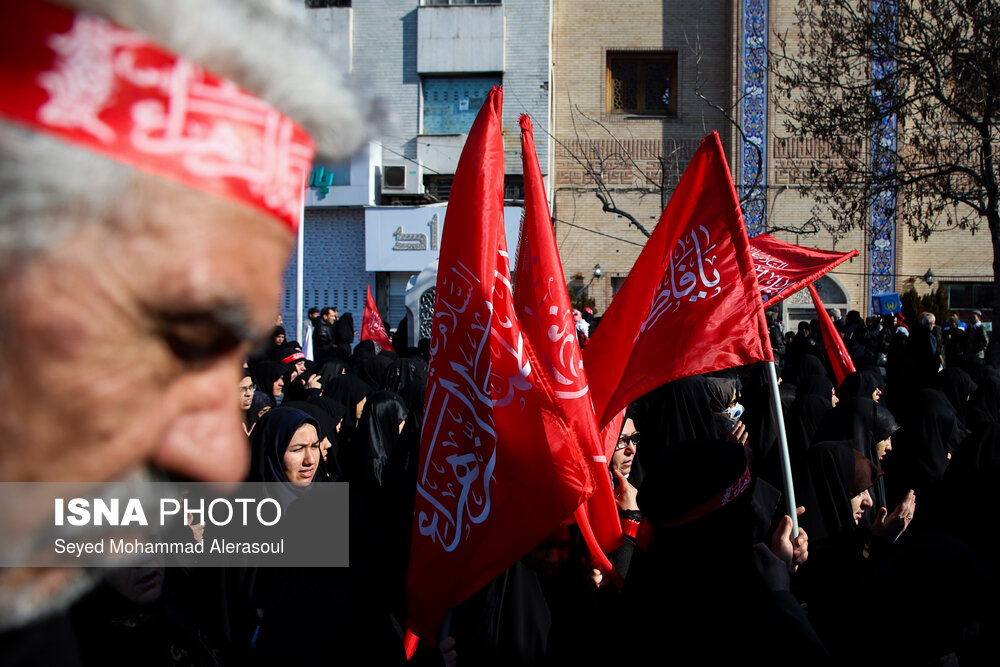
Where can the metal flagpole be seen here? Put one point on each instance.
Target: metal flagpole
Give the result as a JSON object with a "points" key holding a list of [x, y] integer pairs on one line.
{"points": [[779, 418], [298, 267]]}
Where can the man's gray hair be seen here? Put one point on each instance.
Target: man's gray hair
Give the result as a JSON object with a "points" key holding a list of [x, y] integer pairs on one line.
{"points": [[264, 46]]}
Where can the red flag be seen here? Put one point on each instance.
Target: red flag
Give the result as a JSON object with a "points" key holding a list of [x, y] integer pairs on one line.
{"points": [[784, 268], [372, 327], [500, 467], [542, 304], [691, 303], [840, 359]]}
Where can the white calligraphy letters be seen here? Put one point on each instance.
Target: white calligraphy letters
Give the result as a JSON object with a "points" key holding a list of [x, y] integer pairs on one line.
{"points": [[488, 370], [691, 275]]}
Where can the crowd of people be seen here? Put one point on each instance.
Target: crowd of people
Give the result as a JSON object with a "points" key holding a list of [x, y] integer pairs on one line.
{"points": [[893, 562], [162, 271]]}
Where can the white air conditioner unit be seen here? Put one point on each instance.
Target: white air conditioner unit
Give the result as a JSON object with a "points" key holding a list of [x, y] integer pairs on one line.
{"points": [[403, 179]]}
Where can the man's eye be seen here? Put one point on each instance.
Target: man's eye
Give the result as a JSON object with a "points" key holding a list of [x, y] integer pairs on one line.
{"points": [[195, 343]]}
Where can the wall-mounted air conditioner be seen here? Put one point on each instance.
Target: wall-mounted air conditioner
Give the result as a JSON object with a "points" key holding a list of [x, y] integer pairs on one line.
{"points": [[403, 179]]}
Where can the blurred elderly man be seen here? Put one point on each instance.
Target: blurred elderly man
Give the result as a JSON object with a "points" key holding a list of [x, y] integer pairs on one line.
{"points": [[151, 200]]}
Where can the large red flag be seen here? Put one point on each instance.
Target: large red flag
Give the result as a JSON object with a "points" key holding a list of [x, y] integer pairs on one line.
{"points": [[500, 467], [372, 327], [691, 303], [542, 304], [785, 268], [840, 359]]}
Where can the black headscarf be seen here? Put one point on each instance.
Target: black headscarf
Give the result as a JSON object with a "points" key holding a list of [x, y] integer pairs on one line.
{"points": [[335, 413], [377, 439], [825, 489], [957, 386], [348, 391], [858, 384], [343, 331], [265, 374], [817, 385], [720, 392], [984, 408], [363, 350], [373, 370], [269, 444], [330, 369], [677, 412], [403, 372], [919, 451], [866, 423], [804, 417]]}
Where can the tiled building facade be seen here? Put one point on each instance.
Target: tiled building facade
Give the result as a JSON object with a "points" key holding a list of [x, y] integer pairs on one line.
{"points": [[718, 49]]}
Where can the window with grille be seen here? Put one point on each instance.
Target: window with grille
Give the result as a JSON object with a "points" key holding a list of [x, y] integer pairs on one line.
{"points": [[642, 83], [451, 103]]}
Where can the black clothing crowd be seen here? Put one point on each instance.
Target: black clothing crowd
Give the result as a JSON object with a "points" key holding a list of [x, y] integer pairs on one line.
{"points": [[894, 467]]}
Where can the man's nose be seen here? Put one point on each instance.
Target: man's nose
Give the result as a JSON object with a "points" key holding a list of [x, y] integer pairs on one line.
{"points": [[204, 440]]}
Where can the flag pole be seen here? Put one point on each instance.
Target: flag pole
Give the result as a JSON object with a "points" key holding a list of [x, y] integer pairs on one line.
{"points": [[779, 419], [299, 282]]}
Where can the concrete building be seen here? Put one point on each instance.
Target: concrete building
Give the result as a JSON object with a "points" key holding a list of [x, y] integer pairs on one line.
{"points": [[377, 220]]}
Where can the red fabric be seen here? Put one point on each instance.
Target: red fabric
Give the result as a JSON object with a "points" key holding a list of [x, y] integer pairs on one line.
{"points": [[784, 268], [500, 466], [89, 82], [840, 358], [690, 304], [371, 324], [611, 432], [541, 301]]}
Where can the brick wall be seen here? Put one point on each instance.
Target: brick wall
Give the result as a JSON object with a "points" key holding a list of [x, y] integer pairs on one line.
{"points": [[584, 31]]}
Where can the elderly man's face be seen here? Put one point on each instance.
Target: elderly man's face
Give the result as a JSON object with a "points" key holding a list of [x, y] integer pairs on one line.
{"points": [[140, 368]]}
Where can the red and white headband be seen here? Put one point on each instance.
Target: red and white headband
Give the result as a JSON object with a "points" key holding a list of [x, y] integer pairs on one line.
{"points": [[95, 84], [294, 356]]}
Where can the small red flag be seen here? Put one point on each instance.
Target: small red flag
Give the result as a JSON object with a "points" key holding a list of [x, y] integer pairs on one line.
{"points": [[691, 303], [543, 309], [785, 268], [500, 466], [840, 358], [372, 327]]}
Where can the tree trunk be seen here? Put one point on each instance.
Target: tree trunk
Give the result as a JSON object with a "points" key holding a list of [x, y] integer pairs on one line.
{"points": [[993, 351]]}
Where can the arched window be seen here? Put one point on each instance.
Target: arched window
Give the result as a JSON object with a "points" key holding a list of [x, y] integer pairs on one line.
{"points": [[799, 306]]}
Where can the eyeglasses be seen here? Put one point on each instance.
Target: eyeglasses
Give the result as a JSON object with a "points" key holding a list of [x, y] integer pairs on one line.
{"points": [[248, 390], [627, 440]]}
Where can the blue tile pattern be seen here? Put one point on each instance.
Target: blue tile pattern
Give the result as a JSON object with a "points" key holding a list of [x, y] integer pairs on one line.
{"points": [[753, 115], [334, 266], [882, 211]]}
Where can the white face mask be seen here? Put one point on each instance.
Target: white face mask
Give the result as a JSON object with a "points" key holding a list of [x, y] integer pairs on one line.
{"points": [[734, 411]]}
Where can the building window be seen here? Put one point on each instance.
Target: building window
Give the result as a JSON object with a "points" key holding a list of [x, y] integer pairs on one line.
{"points": [[970, 296], [319, 4], [616, 283], [642, 83], [451, 103], [438, 186]]}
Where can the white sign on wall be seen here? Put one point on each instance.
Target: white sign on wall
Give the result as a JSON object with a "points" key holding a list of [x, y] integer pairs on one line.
{"points": [[405, 238]]}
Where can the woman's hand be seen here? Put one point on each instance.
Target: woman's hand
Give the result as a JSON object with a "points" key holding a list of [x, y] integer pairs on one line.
{"points": [[891, 526], [792, 552], [626, 494]]}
